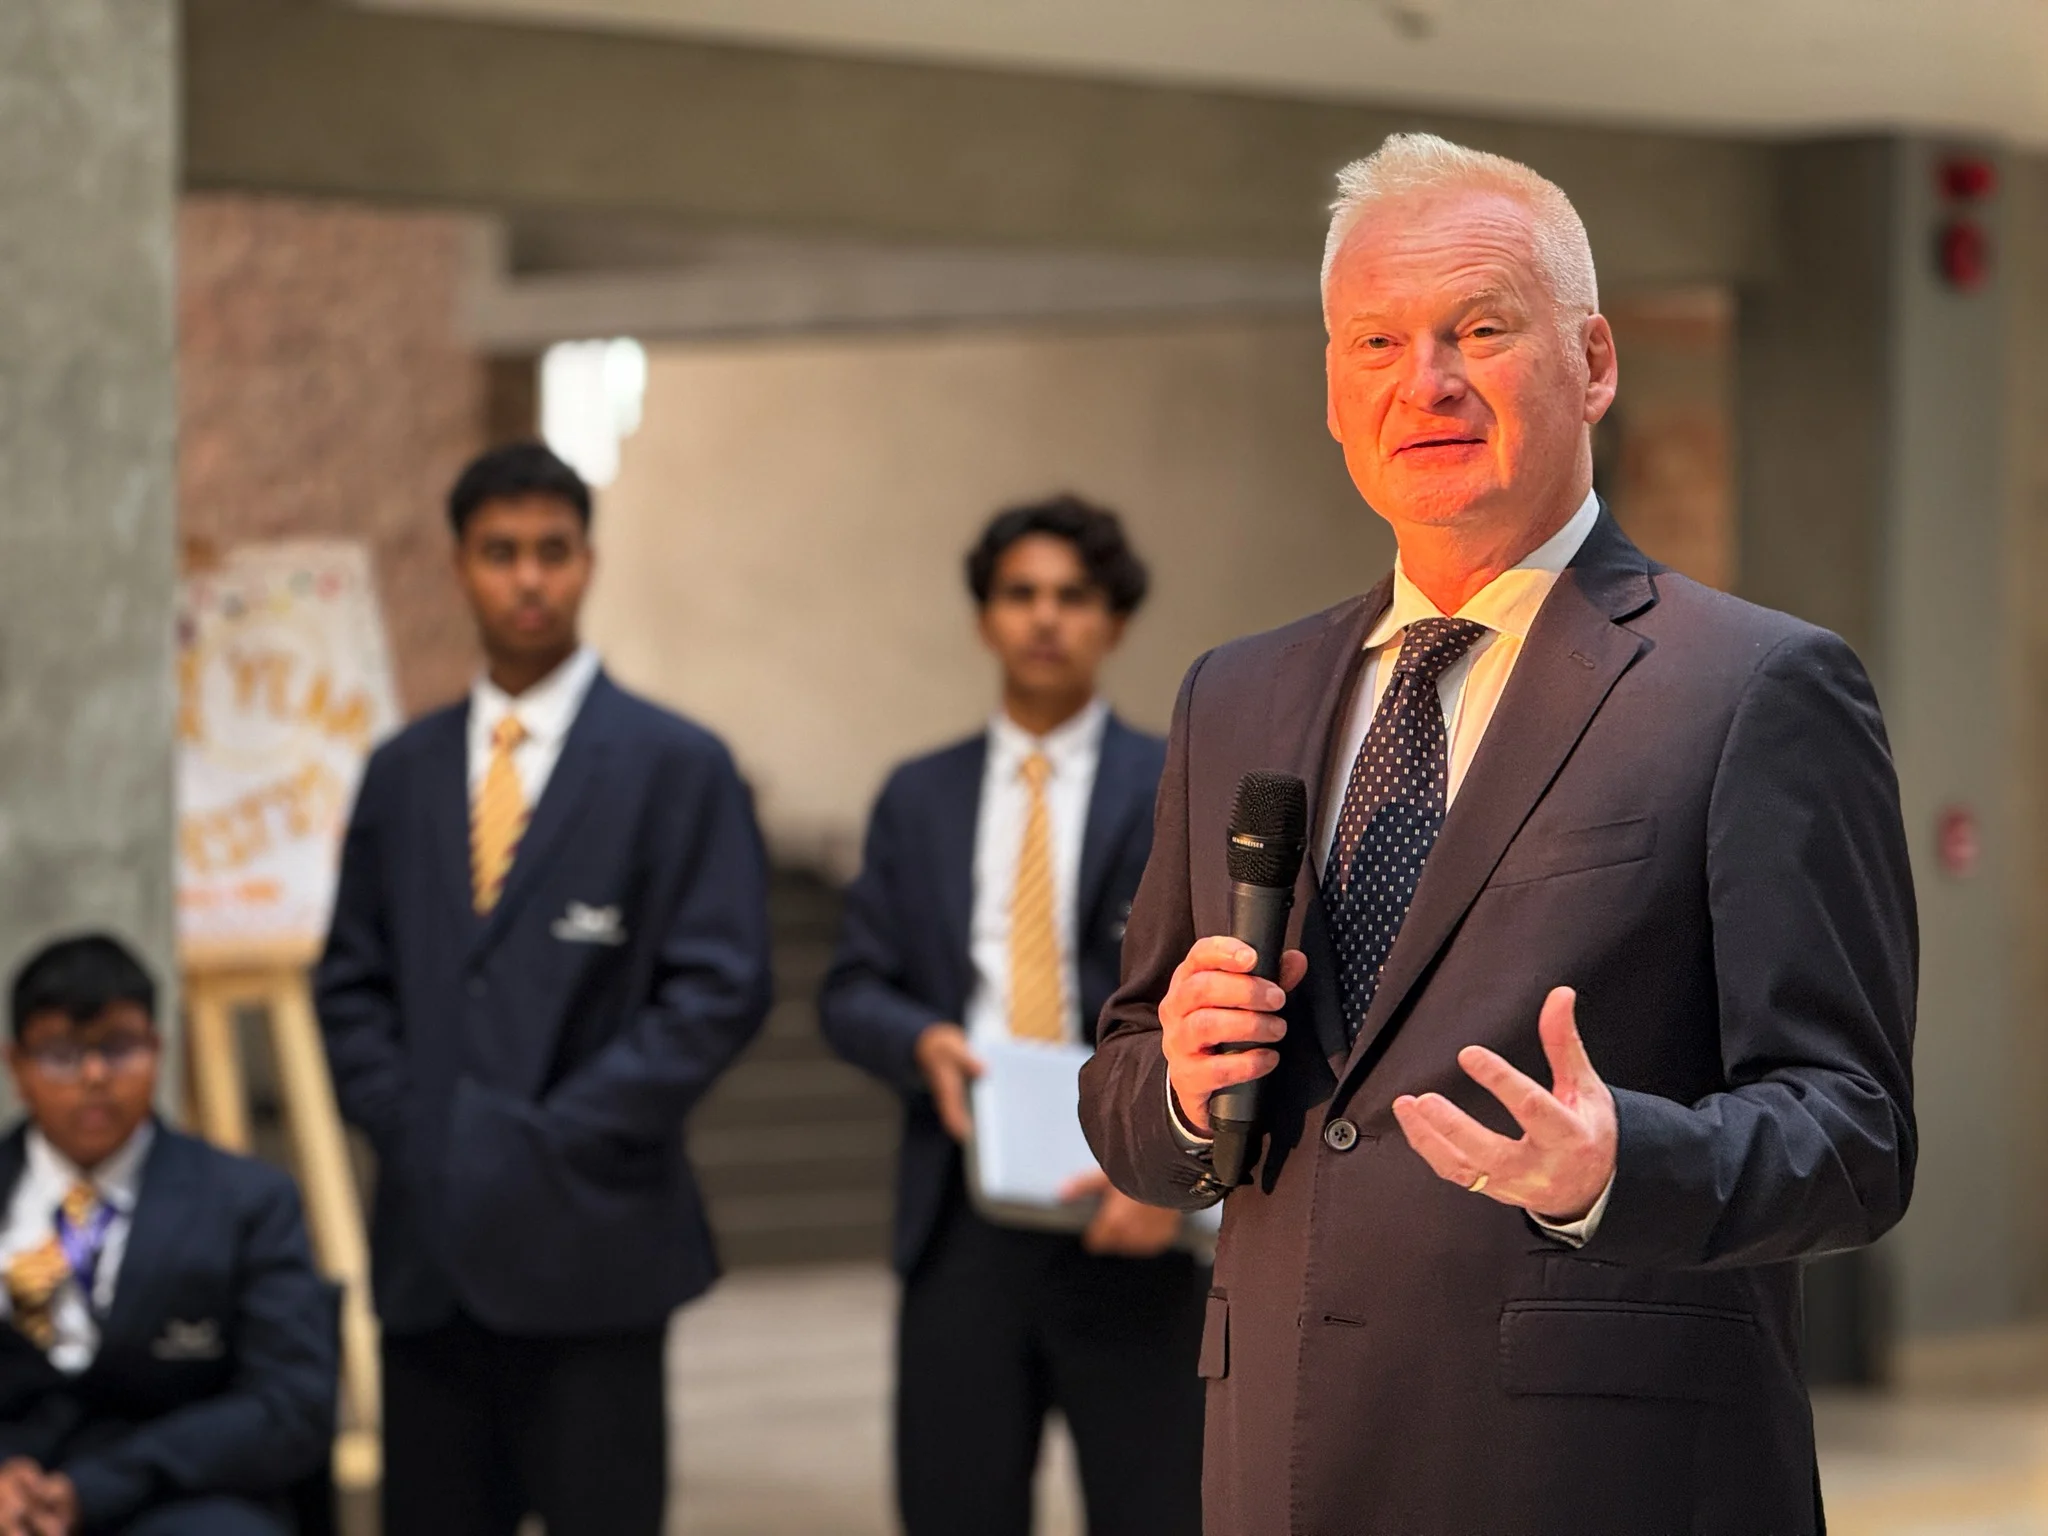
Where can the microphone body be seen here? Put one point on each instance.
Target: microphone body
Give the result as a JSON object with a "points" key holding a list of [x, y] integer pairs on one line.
{"points": [[1258, 916], [1268, 832]]}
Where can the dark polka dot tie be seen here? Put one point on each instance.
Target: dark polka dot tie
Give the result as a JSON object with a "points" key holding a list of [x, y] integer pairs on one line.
{"points": [[1393, 810]]}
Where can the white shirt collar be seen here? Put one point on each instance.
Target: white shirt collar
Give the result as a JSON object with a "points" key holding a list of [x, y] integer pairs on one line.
{"points": [[118, 1180], [547, 709], [1508, 603], [1066, 746]]}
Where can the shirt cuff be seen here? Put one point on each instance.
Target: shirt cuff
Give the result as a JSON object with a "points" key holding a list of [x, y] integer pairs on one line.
{"points": [[1191, 1140], [1577, 1234]]}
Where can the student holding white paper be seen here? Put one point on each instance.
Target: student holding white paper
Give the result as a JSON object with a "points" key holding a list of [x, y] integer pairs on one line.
{"points": [[987, 920]]}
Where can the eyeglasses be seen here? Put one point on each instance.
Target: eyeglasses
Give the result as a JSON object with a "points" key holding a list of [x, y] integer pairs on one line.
{"points": [[63, 1061]]}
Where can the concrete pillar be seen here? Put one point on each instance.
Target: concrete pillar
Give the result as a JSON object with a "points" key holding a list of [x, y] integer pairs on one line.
{"points": [[1874, 448], [87, 429]]}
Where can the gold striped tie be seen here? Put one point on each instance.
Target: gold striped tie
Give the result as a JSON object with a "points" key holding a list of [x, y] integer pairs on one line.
{"points": [[1037, 985], [36, 1275], [498, 820]]}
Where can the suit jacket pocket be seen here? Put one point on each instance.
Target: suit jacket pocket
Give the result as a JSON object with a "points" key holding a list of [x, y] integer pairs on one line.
{"points": [[537, 1244], [1627, 1349], [1540, 856], [1213, 1364]]}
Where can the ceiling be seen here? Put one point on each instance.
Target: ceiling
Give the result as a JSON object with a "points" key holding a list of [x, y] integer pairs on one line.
{"points": [[1757, 66]]}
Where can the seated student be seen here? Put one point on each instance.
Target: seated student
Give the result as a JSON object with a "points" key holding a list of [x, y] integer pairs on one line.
{"points": [[168, 1359]]}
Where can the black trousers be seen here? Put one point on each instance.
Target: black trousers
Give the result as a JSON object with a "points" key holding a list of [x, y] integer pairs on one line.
{"points": [[206, 1517], [1001, 1325], [481, 1429]]}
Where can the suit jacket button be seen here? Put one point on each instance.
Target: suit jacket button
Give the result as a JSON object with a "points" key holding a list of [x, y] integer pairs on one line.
{"points": [[1340, 1135]]}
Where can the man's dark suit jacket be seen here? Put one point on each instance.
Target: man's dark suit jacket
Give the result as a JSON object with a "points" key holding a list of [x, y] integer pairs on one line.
{"points": [[216, 1371], [1685, 808], [524, 1077], [903, 959]]}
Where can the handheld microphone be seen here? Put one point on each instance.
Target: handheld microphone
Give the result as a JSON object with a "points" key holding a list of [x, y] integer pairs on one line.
{"points": [[1268, 832]]}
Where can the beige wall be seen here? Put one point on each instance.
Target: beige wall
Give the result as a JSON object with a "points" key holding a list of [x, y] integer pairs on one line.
{"points": [[781, 552], [780, 555]]}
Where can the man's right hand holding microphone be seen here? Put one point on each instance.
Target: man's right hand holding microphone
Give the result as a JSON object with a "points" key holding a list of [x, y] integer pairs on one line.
{"points": [[1213, 1002]]}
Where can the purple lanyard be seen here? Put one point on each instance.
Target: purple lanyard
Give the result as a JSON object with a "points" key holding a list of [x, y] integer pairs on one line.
{"points": [[82, 1246]]}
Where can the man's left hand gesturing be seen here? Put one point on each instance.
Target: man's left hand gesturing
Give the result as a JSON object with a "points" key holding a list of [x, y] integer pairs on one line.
{"points": [[1559, 1168]]}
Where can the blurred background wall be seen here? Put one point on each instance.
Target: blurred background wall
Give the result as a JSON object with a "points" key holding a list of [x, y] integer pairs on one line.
{"points": [[841, 481], [782, 547]]}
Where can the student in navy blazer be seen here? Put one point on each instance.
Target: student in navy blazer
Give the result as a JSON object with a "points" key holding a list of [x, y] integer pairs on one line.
{"points": [[521, 1007], [1000, 1324], [903, 961], [168, 1358]]}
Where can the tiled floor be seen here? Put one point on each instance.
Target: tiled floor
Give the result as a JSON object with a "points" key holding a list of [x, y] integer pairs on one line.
{"points": [[782, 1380], [782, 1384], [1955, 1467]]}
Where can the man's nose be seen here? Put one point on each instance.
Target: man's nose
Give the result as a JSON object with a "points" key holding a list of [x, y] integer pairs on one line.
{"points": [[1435, 376]]}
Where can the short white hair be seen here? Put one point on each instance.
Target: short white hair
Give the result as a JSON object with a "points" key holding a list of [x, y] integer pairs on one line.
{"points": [[1409, 163]]}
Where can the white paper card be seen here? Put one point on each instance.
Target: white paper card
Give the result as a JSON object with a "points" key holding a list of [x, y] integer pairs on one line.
{"points": [[1027, 1121], [1027, 1129]]}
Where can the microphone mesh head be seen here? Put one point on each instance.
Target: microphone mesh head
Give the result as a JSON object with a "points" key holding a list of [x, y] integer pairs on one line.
{"points": [[1268, 829]]}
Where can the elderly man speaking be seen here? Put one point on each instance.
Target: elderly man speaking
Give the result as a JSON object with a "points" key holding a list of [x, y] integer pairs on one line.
{"points": [[1597, 1017]]}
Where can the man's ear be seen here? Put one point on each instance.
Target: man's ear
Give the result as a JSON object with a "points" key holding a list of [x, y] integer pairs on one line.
{"points": [[1602, 368]]}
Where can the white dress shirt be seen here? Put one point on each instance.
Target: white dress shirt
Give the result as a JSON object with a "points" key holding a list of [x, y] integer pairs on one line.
{"points": [[1075, 752], [547, 710], [47, 1176], [1470, 690], [1470, 687]]}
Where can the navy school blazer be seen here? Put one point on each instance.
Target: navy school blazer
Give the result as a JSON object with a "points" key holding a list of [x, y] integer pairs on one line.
{"points": [[903, 959], [524, 1077], [218, 1361]]}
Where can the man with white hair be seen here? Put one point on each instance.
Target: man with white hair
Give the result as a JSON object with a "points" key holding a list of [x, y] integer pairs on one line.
{"points": [[1597, 1014]]}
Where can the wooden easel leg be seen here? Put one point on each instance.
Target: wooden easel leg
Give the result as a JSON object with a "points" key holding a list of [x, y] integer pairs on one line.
{"points": [[220, 1097]]}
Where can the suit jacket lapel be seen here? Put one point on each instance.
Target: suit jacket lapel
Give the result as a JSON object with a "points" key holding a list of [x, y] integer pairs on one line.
{"points": [[568, 794], [1575, 653], [158, 1229], [1312, 686], [955, 810], [446, 812], [1119, 798]]}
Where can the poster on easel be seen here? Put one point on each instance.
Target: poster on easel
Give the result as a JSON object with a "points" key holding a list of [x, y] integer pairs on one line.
{"points": [[285, 684]]}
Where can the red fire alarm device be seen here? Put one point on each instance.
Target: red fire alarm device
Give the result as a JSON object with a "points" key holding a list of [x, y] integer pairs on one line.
{"points": [[1958, 844], [1964, 254], [1968, 178]]}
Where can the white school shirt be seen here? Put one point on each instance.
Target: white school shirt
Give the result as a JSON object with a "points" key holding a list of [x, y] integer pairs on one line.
{"points": [[547, 710], [47, 1176], [1075, 752]]}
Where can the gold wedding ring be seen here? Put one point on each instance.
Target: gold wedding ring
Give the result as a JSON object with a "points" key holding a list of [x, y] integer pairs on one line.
{"points": [[1477, 1185]]}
